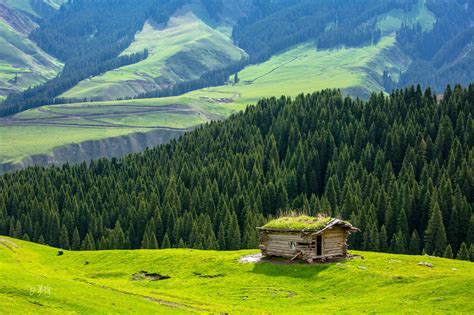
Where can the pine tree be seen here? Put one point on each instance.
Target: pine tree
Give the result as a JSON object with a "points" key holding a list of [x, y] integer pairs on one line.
{"points": [[63, 238], [435, 235], [166, 242], [145, 241], [383, 239], [41, 240], [152, 241], [76, 240], [221, 237], [88, 242], [233, 234], [472, 252], [398, 243], [448, 253], [463, 253], [414, 247]]}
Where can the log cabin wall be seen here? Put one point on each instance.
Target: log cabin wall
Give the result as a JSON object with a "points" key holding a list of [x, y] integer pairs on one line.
{"points": [[334, 242], [279, 244]]}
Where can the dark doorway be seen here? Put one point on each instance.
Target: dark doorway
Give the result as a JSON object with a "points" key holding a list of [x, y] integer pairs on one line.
{"points": [[319, 245]]}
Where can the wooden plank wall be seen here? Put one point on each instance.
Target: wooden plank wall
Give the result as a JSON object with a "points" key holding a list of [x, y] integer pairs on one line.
{"points": [[334, 241]]}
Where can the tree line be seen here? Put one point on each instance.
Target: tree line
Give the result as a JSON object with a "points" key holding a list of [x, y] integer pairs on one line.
{"points": [[399, 167]]}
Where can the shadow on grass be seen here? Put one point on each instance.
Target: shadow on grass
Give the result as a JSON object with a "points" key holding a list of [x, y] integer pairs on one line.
{"points": [[294, 270]]}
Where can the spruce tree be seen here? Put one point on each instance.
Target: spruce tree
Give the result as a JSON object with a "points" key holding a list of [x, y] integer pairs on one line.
{"points": [[414, 247], [435, 235], [63, 238], [166, 242], [152, 241], [88, 243], [76, 240], [463, 253], [41, 240], [383, 239], [221, 237], [145, 241], [448, 253]]}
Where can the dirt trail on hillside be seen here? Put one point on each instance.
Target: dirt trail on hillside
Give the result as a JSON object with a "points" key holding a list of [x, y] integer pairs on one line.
{"points": [[93, 120]]}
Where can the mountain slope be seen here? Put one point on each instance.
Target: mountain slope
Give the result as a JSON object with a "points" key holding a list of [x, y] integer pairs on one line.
{"points": [[35, 279], [22, 62], [182, 50]]}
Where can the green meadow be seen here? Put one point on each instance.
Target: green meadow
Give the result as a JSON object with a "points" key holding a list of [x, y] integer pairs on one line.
{"points": [[306, 69], [35, 279], [41, 130]]}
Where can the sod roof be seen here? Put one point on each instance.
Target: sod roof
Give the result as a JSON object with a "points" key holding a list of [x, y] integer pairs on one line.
{"points": [[301, 222]]}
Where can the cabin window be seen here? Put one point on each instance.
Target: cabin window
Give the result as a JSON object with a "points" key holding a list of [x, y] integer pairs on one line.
{"points": [[293, 245]]}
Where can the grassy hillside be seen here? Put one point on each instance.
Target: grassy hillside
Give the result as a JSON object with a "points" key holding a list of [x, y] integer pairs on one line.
{"points": [[22, 62], [41, 130], [393, 20], [182, 50], [305, 69], [34, 7], [36, 280]]}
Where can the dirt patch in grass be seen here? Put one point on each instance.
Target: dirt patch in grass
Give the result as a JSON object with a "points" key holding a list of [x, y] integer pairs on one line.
{"points": [[144, 275], [200, 275]]}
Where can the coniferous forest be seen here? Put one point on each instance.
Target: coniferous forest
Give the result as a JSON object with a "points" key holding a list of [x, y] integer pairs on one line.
{"points": [[399, 167]]}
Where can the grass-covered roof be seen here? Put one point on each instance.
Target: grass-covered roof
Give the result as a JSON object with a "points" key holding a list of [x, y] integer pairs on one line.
{"points": [[300, 222]]}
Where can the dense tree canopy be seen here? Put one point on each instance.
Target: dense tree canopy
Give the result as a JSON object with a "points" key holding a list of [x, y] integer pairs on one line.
{"points": [[400, 167]]}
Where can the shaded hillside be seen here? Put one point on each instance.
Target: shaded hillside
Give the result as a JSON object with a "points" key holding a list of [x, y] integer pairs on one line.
{"points": [[444, 54], [399, 167], [22, 62], [36, 279]]}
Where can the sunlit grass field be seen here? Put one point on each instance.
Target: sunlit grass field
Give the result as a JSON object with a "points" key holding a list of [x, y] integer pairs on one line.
{"points": [[36, 280]]}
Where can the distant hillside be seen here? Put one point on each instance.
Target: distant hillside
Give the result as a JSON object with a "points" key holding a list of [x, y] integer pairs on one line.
{"points": [[22, 62], [181, 50], [127, 50], [37, 279]]}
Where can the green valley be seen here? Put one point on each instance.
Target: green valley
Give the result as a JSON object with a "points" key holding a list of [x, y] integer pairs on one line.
{"points": [[36, 279]]}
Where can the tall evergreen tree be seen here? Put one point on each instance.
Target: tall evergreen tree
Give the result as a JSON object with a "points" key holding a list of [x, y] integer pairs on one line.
{"points": [[463, 253], [435, 235]]}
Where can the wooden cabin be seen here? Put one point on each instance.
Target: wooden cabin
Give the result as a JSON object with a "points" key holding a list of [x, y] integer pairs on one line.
{"points": [[306, 238]]}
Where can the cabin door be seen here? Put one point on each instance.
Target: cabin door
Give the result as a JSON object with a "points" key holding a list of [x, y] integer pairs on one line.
{"points": [[319, 245]]}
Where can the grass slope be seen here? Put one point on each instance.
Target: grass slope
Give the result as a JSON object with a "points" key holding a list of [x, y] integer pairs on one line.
{"points": [[304, 69], [27, 6], [41, 130], [183, 50], [36, 280], [393, 20], [19, 56]]}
